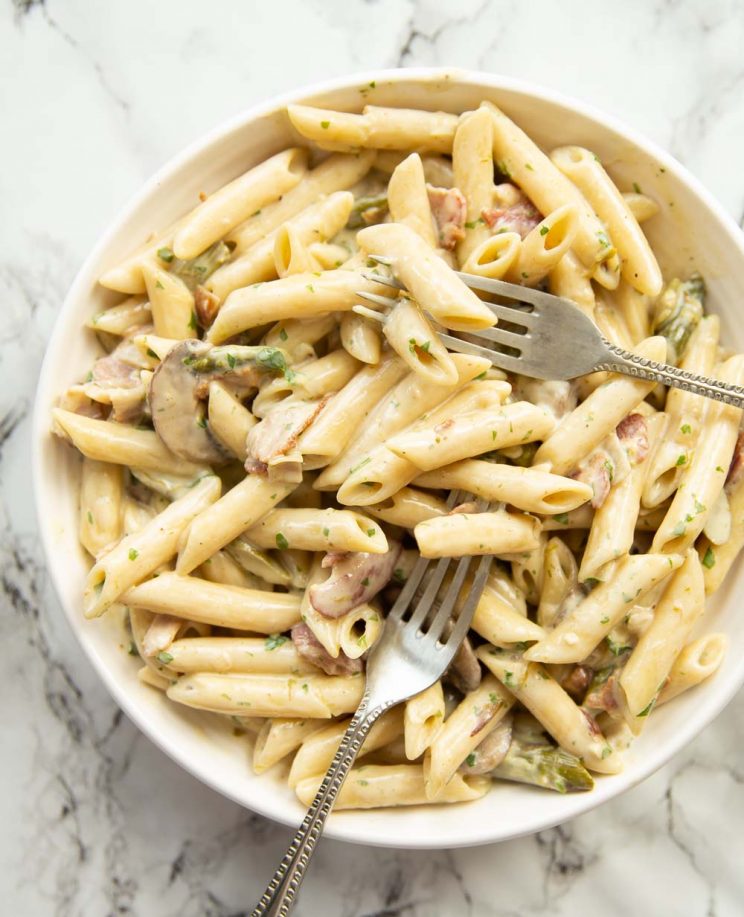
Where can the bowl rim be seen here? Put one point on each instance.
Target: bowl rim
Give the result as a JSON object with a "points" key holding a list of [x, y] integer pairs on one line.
{"points": [[605, 789]]}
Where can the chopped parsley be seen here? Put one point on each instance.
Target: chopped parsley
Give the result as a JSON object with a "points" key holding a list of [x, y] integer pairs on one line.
{"points": [[360, 465], [90, 517], [165, 658], [193, 324], [637, 188], [544, 230], [399, 575], [310, 287], [365, 581], [647, 710], [326, 532], [281, 541], [133, 554], [709, 558], [325, 125], [283, 334], [166, 254], [274, 641], [470, 760], [562, 518], [685, 428], [371, 533], [681, 460], [231, 361], [508, 679]]}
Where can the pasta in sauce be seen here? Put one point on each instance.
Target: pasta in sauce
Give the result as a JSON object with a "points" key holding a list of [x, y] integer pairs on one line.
{"points": [[262, 465]]}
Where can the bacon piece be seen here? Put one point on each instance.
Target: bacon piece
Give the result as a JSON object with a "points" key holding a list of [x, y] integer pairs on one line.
{"points": [[355, 578], [449, 208], [594, 470], [272, 443], [605, 696], [632, 432], [577, 681], [521, 217], [207, 305], [308, 645], [736, 468]]}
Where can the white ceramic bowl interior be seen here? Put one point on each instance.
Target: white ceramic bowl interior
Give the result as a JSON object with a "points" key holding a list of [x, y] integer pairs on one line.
{"points": [[692, 231]]}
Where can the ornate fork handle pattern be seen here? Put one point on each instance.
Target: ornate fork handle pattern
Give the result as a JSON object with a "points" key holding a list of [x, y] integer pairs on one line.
{"points": [[632, 365], [280, 893]]}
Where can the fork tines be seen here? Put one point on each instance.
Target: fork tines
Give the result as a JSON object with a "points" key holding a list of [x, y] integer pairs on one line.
{"points": [[425, 603]]}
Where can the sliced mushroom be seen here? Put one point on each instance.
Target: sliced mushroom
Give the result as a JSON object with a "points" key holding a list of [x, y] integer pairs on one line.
{"points": [[178, 414], [355, 578], [310, 647]]}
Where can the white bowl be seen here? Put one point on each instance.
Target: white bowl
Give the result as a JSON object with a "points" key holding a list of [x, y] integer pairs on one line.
{"points": [[691, 231]]}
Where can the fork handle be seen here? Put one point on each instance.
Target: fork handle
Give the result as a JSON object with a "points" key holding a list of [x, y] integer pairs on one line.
{"points": [[632, 365], [279, 897]]}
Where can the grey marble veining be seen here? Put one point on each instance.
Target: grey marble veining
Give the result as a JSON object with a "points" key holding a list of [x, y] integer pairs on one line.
{"points": [[96, 820]]}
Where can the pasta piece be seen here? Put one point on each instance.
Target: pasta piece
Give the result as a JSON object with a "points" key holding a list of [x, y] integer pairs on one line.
{"points": [[236, 511], [291, 254], [379, 128], [530, 489], [328, 436], [229, 420], [570, 279], [571, 727], [105, 441], [686, 413], [697, 661], [613, 527], [318, 530], [278, 738], [101, 505], [528, 569], [644, 674], [411, 336], [495, 256], [528, 167], [233, 203], [474, 718], [434, 285], [500, 617], [641, 205], [592, 619], [138, 555], [311, 696], [245, 655], [222, 568], [123, 318], [373, 786], [408, 507], [300, 295], [316, 753], [423, 720], [705, 477], [336, 173], [319, 221], [172, 303], [463, 534], [598, 415], [215, 603], [360, 338], [472, 165], [437, 444], [544, 246], [638, 264], [296, 336], [408, 201], [358, 630], [559, 582]]}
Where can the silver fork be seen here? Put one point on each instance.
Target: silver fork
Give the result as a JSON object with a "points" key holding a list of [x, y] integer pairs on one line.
{"points": [[549, 337], [409, 656]]}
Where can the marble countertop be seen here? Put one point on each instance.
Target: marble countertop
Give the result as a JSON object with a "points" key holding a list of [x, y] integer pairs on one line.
{"points": [[95, 819]]}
